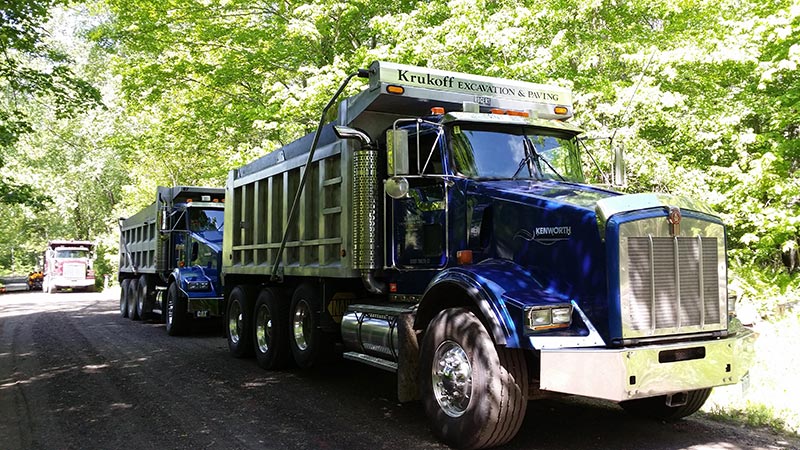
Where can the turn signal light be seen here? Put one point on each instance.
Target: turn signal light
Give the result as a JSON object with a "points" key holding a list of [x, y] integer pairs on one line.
{"points": [[464, 257]]}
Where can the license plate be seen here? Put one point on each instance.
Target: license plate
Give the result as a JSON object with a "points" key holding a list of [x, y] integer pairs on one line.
{"points": [[202, 313]]}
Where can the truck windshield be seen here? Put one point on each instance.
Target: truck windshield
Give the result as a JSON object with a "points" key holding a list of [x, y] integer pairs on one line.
{"points": [[204, 256], [72, 253], [515, 153], [201, 220]]}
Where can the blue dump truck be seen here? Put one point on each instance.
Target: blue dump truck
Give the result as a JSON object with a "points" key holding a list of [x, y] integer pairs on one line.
{"points": [[170, 257], [438, 225]]}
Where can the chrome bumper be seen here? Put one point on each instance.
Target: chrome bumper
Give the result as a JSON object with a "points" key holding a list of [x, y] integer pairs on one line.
{"points": [[65, 282], [629, 373]]}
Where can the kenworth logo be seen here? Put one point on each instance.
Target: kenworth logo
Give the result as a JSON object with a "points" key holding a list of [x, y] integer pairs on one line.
{"points": [[545, 235]]}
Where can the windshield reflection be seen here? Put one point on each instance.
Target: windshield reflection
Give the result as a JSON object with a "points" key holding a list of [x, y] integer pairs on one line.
{"points": [[515, 153]]}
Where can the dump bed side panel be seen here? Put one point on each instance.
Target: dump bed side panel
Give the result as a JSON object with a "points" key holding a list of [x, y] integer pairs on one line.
{"points": [[138, 242], [258, 201]]}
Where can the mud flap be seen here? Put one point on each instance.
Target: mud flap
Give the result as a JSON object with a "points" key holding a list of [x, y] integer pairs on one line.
{"points": [[407, 359]]}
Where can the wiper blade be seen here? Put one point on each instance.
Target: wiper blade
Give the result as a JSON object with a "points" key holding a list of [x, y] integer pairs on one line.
{"points": [[540, 157], [526, 160]]}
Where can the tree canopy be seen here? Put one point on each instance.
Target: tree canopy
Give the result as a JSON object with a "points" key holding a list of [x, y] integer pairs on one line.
{"points": [[702, 94]]}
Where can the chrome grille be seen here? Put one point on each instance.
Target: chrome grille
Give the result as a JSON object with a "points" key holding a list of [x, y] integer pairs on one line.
{"points": [[74, 270], [674, 283]]}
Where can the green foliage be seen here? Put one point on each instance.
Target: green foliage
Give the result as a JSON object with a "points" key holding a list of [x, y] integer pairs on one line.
{"points": [[32, 71], [102, 264], [701, 93], [755, 415]]}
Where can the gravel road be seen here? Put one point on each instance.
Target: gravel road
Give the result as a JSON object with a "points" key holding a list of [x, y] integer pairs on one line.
{"points": [[75, 375]]}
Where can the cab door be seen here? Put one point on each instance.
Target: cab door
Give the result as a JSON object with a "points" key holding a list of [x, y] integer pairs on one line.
{"points": [[418, 221]]}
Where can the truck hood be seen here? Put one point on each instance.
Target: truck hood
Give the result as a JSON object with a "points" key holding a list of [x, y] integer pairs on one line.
{"points": [[532, 192]]}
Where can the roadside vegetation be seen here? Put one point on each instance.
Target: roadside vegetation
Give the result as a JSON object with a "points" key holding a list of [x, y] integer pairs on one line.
{"points": [[102, 100]]}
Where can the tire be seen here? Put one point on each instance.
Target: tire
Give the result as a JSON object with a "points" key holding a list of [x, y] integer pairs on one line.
{"points": [[239, 322], [271, 330], [473, 392], [123, 297], [656, 407], [309, 344], [143, 294], [176, 309], [132, 288]]}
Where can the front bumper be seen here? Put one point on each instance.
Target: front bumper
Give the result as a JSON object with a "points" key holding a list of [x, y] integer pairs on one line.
{"points": [[630, 373], [205, 307], [65, 282]]}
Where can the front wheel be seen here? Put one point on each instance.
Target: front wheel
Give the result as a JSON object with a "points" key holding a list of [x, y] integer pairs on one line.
{"points": [[474, 392], [177, 322], [657, 408]]}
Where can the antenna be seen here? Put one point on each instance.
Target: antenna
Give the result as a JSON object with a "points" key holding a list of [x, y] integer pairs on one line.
{"points": [[618, 157], [630, 101]]}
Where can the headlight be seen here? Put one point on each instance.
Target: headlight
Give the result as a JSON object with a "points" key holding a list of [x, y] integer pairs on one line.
{"points": [[547, 317], [198, 286]]}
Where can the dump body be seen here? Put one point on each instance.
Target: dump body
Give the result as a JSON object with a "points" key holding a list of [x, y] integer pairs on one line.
{"points": [[174, 241], [445, 232], [68, 264]]}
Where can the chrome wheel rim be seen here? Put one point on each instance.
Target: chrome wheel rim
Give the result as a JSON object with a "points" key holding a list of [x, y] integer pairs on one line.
{"points": [[452, 378], [263, 328], [170, 309], [301, 323], [140, 302], [131, 303], [234, 322]]}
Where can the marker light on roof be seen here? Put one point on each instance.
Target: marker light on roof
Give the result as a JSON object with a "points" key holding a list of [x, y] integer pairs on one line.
{"points": [[560, 110], [517, 113], [437, 110], [394, 89]]}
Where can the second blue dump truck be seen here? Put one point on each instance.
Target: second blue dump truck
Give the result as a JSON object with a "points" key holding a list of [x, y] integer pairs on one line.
{"points": [[170, 258]]}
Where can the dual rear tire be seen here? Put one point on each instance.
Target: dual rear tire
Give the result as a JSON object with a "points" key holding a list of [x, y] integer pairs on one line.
{"points": [[276, 330]]}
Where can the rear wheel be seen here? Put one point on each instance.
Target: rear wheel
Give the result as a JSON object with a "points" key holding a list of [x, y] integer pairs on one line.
{"points": [[238, 319], [123, 297], [132, 288], [308, 342], [177, 322], [657, 408], [474, 392], [271, 330], [143, 294]]}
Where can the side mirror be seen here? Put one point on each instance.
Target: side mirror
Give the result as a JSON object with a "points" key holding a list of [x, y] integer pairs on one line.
{"points": [[619, 165], [396, 187], [397, 152]]}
